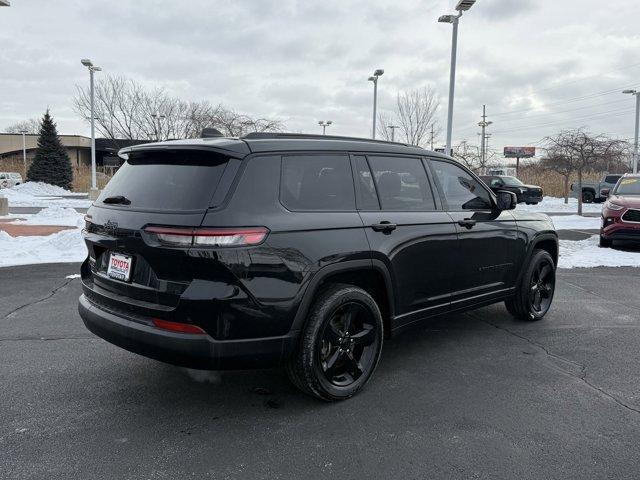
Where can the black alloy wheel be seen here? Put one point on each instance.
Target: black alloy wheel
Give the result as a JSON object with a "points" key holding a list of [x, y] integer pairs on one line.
{"points": [[340, 345], [348, 344], [534, 294]]}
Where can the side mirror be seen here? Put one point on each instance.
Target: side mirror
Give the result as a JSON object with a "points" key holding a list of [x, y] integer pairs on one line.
{"points": [[506, 200], [605, 192]]}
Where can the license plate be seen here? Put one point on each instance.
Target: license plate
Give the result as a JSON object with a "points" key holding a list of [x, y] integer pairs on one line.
{"points": [[120, 267]]}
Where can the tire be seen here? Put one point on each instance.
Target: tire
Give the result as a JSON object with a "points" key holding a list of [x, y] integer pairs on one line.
{"points": [[332, 363], [534, 293], [588, 196], [605, 243]]}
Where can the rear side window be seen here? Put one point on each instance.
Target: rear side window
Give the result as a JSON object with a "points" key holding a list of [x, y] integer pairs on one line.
{"points": [[317, 182], [611, 178], [461, 191], [402, 183], [167, 180]]}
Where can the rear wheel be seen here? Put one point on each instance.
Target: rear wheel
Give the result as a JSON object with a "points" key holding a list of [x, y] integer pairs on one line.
{"points": [[605, 243], [340, 345], [588, 196], [535, 292]]}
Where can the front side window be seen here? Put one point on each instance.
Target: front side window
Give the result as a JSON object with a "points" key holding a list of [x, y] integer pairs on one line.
{"points": [[317, 182], [402, 183], [461, 191]]}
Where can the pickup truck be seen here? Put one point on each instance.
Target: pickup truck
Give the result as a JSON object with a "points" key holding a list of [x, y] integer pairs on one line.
{"points": [[593, 191]]}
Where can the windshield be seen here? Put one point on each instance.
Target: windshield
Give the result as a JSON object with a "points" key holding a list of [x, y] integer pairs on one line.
{"points": [[511, 181], [166, 180], [628, 186]]}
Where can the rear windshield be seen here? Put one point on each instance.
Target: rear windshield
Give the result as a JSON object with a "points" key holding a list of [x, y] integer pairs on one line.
{"points": [[166, 180]]}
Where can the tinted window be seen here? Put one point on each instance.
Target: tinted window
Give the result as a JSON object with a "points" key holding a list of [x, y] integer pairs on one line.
{"points": [[317, 182], [169, 180], [402, 183], [461, 190], [365, 189], [611, 178]]}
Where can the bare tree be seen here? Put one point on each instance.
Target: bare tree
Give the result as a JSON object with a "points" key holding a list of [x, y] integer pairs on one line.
{"points": [[126, 109], [468, 155], [578, 151], [30, 126], [414, 113]]}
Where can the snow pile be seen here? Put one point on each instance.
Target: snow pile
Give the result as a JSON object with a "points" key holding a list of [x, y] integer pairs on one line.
{"points": [[61, 216], [65, 246], [587, 253], [575, 222], [41, 189], [19, 198], [557, 205]]}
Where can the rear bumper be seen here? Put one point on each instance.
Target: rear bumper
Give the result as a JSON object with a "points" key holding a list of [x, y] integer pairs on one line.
{"points": [[186, 350]]}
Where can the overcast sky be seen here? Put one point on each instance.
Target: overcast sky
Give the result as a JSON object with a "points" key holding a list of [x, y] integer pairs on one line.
{"points": [[538, 65]]}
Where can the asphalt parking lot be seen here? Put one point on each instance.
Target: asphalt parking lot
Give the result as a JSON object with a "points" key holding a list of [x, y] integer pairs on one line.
{"points": [[474, 395]]}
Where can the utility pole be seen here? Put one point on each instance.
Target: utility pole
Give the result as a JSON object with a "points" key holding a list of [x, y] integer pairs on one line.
{"points": [[432, 137], [483, 143], [636, 93]]}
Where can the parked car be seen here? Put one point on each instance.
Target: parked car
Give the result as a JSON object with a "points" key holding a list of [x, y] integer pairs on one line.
{"points": [[300, 250], [593, 191], [10, 179], [621, 212], [529, 194]]}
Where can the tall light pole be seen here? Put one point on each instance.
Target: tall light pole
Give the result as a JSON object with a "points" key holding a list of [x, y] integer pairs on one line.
{"points": [[374, 78], [462, 6], [393, 131], [484, 124], [92, 68], [24, 152], [324, 125], [635, 144], [159, 117]]}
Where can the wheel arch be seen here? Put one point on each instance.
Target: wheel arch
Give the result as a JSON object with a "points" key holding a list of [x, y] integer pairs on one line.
{"points": [[543, 241], [370, 275]]}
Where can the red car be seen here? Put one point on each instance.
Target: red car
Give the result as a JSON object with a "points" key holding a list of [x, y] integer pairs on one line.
{"points": [[621, 212]]}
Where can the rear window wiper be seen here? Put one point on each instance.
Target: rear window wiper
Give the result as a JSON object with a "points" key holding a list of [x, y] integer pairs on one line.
{"points": [[117, 200]]}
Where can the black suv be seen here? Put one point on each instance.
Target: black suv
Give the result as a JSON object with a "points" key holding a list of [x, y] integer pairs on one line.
{"points": [[529, 194], [299, 250]]}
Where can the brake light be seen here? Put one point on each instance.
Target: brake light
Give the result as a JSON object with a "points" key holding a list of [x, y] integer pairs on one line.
{"points": [[177, 327], [209, 237]]}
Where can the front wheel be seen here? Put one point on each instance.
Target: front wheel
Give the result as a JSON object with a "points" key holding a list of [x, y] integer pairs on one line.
{"points": [[534, 294], [340, 345], [588, 196], [605, 243]]}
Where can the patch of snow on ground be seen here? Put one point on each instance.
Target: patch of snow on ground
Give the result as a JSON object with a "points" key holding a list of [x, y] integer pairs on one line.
{"points": [[557, 205], [575, 222], [73, 276], [586, 253], [65, 246], [18, 198], [42, 189], [61, 216]]}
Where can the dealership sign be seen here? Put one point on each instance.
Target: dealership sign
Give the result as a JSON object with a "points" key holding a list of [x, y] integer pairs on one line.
{"points": [[519, 152]]}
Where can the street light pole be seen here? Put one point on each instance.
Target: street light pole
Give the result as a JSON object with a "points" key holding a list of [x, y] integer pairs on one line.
{"points": [[24, 152], [324, 125], [92, 68], [393, 131], [462, 6], [635, 144], [374, 78]]}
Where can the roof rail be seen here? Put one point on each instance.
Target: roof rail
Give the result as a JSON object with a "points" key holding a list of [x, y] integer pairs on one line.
{"points": [[310, 136]]}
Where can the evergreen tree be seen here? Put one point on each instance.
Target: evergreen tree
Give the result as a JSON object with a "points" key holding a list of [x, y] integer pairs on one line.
{"points": [[51, 163]]}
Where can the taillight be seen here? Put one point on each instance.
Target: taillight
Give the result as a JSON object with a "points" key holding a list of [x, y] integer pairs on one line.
{"points": [[209, 237], [178, 327]]}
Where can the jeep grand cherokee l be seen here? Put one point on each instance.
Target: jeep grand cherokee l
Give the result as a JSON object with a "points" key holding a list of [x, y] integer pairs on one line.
{"points": [[301, 251]]}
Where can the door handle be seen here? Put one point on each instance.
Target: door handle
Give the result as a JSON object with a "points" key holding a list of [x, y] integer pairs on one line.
{"points": [[384, 226], [467, 223]]}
